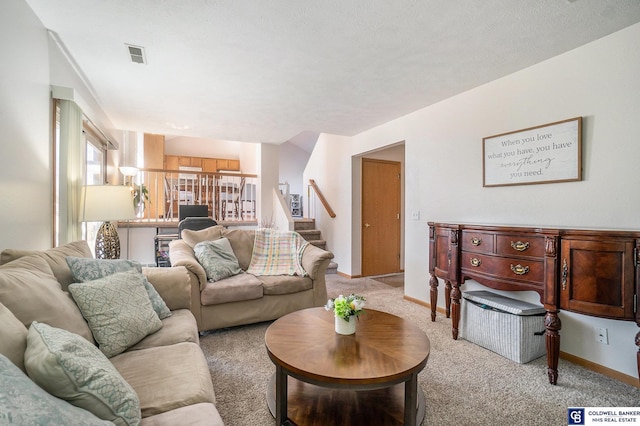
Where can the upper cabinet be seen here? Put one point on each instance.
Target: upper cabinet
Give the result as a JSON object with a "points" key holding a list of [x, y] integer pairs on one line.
{"points": [[208, 165]]}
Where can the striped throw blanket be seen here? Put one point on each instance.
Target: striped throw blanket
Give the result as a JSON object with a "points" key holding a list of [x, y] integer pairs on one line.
{"points": [[277, 253]]}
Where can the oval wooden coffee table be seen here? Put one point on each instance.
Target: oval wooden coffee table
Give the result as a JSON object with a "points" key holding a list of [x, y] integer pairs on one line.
{"points": [[370, 377]]}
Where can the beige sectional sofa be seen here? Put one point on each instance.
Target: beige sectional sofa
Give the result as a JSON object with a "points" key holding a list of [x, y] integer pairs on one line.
{"points": [[245, 298], [166, 370]]}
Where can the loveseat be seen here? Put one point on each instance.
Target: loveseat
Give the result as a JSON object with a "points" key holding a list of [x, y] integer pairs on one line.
{"points": [[53, 372], [245, 298]]}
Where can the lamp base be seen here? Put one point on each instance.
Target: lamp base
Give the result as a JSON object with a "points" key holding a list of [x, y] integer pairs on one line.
{"points": [[107, 242]]}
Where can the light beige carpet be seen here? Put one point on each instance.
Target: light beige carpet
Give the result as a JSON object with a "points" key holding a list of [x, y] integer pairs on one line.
{"points": [[463, 383], [393, 280]]}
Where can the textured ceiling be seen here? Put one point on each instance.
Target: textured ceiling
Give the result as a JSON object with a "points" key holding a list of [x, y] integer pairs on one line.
{"points": [[265, 71]]}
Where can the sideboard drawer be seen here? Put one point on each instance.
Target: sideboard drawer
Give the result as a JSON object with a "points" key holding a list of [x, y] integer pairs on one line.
{"points": [[504, 267], [477, 242], [519, 245]]}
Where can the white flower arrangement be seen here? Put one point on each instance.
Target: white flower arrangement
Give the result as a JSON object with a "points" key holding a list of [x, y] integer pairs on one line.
{"points": [[346, 306]]}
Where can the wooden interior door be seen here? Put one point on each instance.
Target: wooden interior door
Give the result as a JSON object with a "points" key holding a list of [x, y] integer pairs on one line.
{"points": [[381, 207]]}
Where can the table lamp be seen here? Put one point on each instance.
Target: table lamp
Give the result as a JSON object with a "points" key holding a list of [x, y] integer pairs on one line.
{"points": [[106, 203]]}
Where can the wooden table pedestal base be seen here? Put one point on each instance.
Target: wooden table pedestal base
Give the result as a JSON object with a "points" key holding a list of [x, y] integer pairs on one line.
{"points": [[316, 405]]}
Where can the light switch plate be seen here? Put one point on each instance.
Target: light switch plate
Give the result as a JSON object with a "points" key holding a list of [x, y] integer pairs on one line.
{"points": [[415, 215]]}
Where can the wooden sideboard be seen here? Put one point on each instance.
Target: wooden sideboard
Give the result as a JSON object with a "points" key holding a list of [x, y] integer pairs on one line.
{"points": [[592, 272]]}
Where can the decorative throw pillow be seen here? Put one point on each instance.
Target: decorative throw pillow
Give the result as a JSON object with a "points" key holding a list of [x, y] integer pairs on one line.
{"points": [[157, 302], [88, 269], [84, 270], [217, 259], [69, 367], [25, 403], [117, 309], [30, 291], [192, 237]]}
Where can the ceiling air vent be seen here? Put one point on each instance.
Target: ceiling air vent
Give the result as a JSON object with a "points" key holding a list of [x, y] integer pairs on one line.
{"points": [[137, 54]]}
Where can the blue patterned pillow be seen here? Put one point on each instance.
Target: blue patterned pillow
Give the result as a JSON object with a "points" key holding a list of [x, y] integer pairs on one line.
{"points": [[88, 269], [69, 367], [217, 258], [117, 309]]}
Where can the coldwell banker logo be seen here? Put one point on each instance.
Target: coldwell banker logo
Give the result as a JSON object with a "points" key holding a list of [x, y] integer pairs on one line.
{"points": [[575, 416]]}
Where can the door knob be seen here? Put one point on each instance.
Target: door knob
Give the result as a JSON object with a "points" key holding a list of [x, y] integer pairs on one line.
{"points": [[366, 225]]}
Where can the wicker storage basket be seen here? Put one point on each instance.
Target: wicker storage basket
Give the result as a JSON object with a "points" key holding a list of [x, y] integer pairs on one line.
{"points": [[509, 327]]}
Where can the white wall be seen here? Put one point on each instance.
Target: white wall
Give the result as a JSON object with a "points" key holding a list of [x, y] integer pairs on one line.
{"points": [[443, 143], [25, 156], [293, 161], [330, 166], [267, 181]]}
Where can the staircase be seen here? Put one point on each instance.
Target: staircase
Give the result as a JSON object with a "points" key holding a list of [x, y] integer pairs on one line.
{"points": [[306, 228]]}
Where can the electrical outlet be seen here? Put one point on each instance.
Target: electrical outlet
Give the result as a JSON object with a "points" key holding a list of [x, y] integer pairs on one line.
{"points": [[415, 215], [602, 335]]}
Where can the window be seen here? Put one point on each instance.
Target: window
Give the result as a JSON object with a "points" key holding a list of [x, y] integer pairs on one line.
{"points": [[95, 175], [85, 158]]}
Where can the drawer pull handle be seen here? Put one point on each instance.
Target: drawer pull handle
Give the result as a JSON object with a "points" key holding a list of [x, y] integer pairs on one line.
{"points": [[519, 245], [565, 274], [475, 241], [475, 262], [519, 269]]}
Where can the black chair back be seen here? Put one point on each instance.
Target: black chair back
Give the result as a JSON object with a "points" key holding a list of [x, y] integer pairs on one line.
{"points": [[195, 224]]}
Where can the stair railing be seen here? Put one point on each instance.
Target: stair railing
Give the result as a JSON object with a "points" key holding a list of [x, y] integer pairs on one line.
{"points": [[314, 187], [230, 197]]}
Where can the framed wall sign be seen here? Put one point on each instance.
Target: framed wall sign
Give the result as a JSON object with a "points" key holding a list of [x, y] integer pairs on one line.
{"points": [[542, 154]]}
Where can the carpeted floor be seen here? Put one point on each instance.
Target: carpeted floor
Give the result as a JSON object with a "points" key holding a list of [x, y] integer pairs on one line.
{"points": [[463, 383], [394, 280]]}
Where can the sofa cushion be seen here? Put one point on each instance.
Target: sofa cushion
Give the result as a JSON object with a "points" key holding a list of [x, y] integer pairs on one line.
{"points": [[285, 284], [202, 414], [55, 257], [158, 376], [117, 309], [84, 270], [25, 403], [13, 337], [233, 289], [192, 237], [30, 291], [69, 367], [242, 244], [172, 284], [179, 327], [217, 259]]}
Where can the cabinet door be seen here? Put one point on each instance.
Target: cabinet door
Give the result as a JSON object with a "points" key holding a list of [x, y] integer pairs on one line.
{"points": [[444, 258], [234, 165], [222, 164], [209, 165], [171, 162], [597, 277]]}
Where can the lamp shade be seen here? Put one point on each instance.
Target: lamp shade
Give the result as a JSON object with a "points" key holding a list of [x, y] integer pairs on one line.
{"points": [[102, 203], [129, 171]]}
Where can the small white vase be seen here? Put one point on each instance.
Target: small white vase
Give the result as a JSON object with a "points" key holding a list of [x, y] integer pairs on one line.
{"points": [[345, 327]]}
